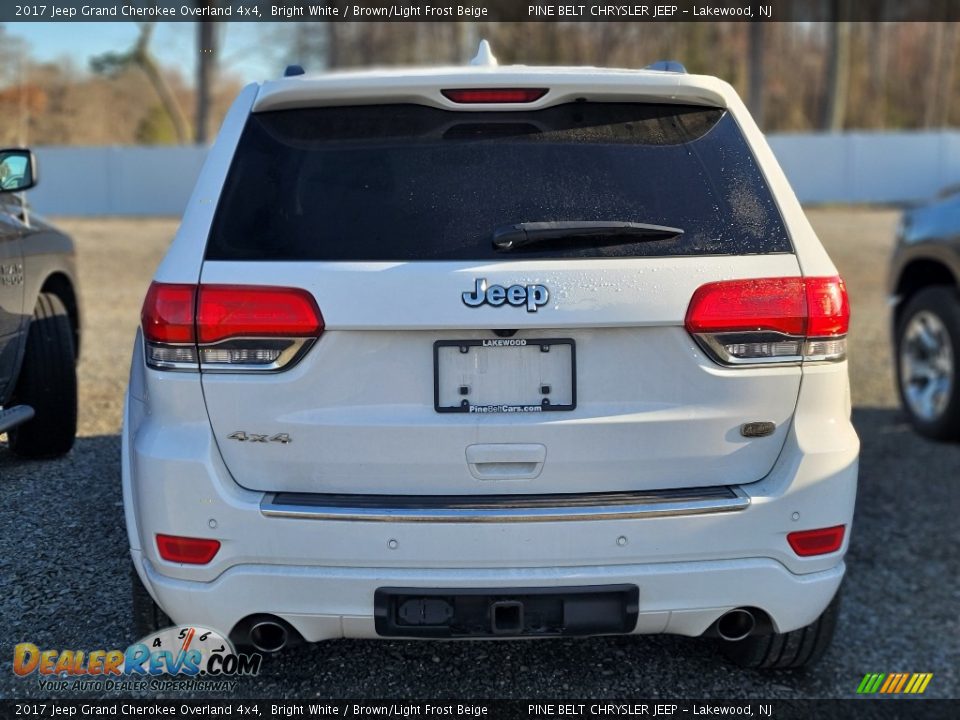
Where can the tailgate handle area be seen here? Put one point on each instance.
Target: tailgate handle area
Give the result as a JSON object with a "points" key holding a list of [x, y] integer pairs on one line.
{"points": [[506, 461]]}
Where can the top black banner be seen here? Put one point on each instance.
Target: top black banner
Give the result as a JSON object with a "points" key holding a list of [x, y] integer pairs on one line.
{"points": [[482, 11]]}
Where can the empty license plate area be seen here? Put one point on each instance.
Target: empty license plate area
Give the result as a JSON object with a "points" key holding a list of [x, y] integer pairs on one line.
{"points": [[494, 612], [504, 375]]}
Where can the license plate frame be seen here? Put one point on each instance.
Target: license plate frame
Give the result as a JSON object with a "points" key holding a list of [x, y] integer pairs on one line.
{"points": [[499, 343]]}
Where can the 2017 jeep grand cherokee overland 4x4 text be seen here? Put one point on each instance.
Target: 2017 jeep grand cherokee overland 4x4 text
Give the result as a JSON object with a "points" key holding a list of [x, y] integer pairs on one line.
{"points": [[39, 321], [493, 352]]}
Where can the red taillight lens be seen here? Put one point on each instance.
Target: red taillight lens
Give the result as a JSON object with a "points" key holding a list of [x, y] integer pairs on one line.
{"points": [[817, 542], [482, 96], [228, 327], [225, 311], [771, 319], [168, 313], [828, 308], [191, 551], [775, 304]]}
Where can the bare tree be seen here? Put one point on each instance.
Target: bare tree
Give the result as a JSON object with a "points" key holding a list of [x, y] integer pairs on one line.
{"points": [[757, 78], [931, 101], [879, 45], [949, 73], [943, 61], [838, 62], [14, 71], [467, 41], [313, 45], [206, 74], [11, 48], [140, 56]]}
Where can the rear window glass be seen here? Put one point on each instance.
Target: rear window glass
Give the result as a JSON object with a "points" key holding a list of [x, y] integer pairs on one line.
{"points": [[409, 182]]}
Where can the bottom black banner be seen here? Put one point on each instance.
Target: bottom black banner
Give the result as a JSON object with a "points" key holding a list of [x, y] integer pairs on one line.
{"points": [[488, 709]]}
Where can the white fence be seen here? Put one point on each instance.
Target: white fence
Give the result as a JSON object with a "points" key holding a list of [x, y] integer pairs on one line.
{"points": [[869, 167], [115, 180], [823, 168]]}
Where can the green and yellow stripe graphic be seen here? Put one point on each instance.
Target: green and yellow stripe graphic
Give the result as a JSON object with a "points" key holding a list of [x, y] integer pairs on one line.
{"points": [[894, 683]]}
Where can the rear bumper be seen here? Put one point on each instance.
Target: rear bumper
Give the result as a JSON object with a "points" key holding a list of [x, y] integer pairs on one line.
{"points": [[320, 574], [324, 603]]}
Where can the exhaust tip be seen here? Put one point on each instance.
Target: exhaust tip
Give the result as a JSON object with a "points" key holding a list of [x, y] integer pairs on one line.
{"points": [[736, 624], [268, 636]]}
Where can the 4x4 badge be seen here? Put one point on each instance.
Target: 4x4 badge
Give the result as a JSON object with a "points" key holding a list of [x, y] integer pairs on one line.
{"points": [[244, 436], [533, 296]]}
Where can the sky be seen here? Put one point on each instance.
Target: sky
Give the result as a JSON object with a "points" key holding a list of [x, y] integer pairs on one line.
{"points": [[245, 50]]}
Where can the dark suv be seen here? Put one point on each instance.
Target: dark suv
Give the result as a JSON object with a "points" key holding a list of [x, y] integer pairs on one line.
{"points": [[926, 316], [39, 321]]}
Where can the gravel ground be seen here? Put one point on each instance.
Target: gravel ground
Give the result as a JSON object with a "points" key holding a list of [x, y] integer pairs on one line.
{"points": [[63, 559]]}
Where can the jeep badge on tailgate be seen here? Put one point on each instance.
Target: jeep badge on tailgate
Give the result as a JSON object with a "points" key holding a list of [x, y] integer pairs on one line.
{"points": [[533, 296]]}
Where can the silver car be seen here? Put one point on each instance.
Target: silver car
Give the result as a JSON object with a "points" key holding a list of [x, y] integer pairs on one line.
{"points": [[39, 321]]}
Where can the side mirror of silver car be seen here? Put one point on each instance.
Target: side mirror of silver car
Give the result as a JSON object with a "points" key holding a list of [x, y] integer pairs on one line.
{"points": [[18, 170]]}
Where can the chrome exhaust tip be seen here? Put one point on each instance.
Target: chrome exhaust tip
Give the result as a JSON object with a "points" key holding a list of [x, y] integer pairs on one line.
{"points": [[268, 636], [736, 624]]}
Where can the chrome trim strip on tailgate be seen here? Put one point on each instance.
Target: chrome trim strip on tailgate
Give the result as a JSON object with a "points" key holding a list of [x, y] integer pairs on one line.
{"points": [[505, 508]]}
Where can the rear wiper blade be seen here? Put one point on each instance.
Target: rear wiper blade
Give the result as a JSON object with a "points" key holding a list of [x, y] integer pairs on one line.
{"points": [[511, 237]]}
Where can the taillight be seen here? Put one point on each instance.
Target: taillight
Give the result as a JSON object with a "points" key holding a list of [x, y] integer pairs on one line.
{"points": [[821, 541], [771, 320], [228, 328], [192, 551], [168, 313], [225, 311], [484, 96]]}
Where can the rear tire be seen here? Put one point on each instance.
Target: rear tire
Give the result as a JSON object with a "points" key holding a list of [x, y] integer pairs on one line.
{"points": [[48, 384], [786, 651], [148, 617], [932, 314]]}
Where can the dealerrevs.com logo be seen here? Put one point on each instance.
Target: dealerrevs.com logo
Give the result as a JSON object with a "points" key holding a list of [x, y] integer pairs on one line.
{"points": [[181, 658]]}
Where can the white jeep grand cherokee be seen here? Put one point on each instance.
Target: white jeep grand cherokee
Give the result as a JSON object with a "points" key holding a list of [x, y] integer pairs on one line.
{"points": [[493, 352]]}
